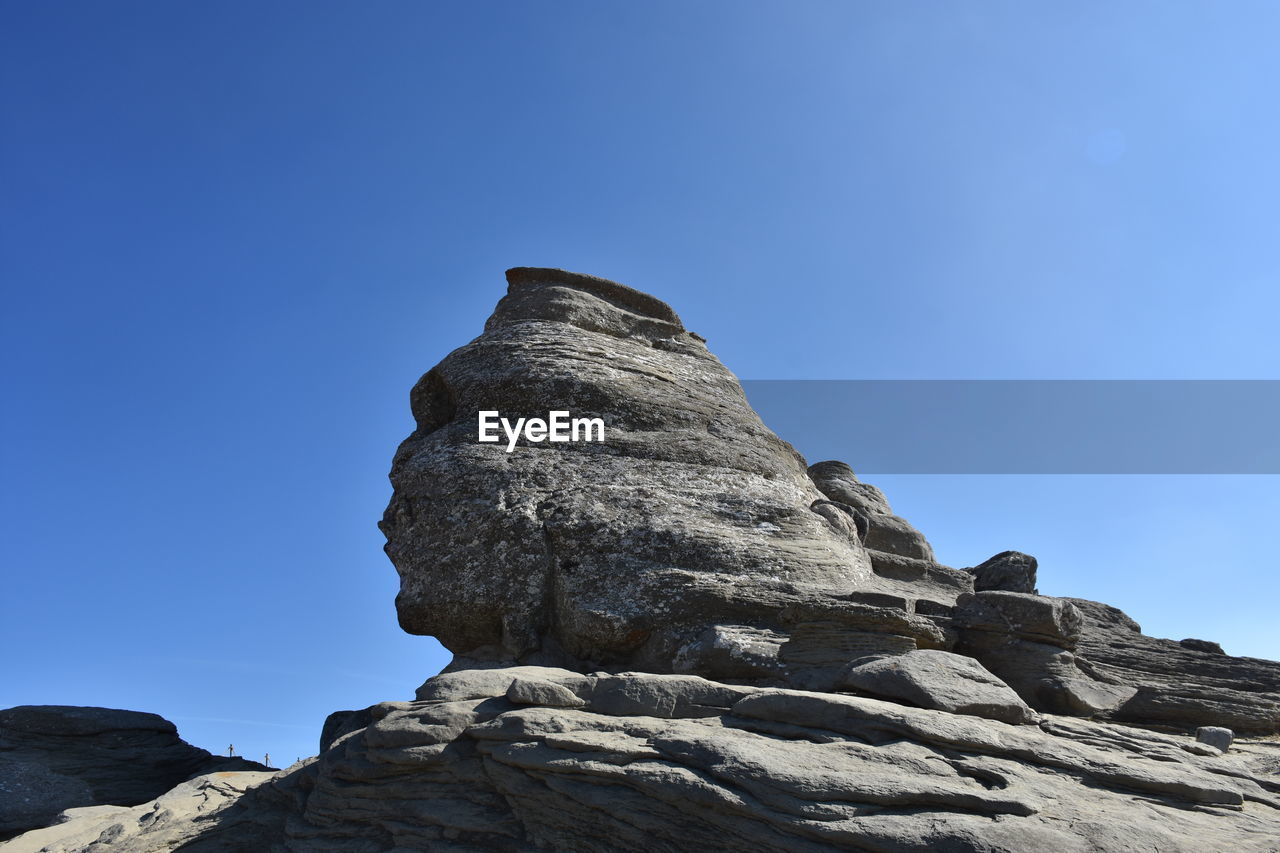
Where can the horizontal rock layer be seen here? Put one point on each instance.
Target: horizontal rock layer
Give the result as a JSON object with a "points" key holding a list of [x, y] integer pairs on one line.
{"points": [[530, 758]]}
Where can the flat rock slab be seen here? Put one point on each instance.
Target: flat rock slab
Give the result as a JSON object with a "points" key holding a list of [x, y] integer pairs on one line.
{"points": [[940, 680]]}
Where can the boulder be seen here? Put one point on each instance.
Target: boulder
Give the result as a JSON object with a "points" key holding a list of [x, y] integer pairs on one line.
{"points": [[1216, 736], [929, 678], [734, 652], [1036, 618], [1202, 646], [1027, 641], [1008, 571]]}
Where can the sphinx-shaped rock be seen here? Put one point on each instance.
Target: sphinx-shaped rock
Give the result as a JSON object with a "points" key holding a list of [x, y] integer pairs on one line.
{"points": [[693, 540], [709, 605], [689, 515]]}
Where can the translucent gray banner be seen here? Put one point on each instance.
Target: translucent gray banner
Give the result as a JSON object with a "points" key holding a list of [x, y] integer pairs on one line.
{"points": [[1029, 426]]}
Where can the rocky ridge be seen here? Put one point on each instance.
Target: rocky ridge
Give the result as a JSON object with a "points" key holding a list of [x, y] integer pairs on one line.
{"points": [[57, 757], [685, 638]]}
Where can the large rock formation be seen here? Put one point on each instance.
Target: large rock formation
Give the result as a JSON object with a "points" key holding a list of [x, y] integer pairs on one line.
{"points": [[56, 757], [626, 552], [521, 759], [682, 638]]}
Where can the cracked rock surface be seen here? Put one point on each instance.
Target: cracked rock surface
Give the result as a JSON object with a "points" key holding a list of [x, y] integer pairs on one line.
{"points": [[618, 553], [645, 762]]}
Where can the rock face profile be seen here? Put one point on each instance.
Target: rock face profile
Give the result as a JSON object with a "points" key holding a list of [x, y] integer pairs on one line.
{"points": [[691, 514], [691, 525], [683, 637]]}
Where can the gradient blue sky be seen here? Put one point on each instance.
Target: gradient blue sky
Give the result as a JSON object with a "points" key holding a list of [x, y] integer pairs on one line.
{"points": [[233, 235]]}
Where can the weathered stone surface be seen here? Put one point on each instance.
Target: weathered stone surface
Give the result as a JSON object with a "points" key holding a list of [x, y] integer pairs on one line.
{"points": [[617, 553], [940, 680], [1215, 736], [341, 723], [1183, 707], [215, 813], [734, 652], [55, 757], [1026, 640], [1179, 686], [1202, 646], [674, 763], [1008, 571], [535, 691], [1036, 618], [884, 531]]}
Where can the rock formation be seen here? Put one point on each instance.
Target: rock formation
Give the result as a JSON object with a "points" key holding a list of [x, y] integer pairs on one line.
{"points": [[684, 638], [56, 757]]}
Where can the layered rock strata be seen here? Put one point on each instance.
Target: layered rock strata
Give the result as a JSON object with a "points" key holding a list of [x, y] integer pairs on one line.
{"points": [[523, 759], [683, 639]]}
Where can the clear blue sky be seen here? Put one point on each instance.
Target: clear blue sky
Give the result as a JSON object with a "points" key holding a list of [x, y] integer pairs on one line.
{"points": [[234, 234]]}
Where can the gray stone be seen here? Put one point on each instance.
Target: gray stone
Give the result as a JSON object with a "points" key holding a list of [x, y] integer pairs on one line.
{"points": [[215, 813], [1207, 646], [1215, 736], [535, 691], [631, 621], [1008, 571], [1186, 706], [736, 769], [940, 680], [56, 757], [342, 723], [732, 652], [1177, 685], [621, 553], [1037, 618], [885, 531]]}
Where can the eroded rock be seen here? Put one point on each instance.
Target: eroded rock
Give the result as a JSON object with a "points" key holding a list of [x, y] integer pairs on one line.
{"points": [[1008, 571], [56, 757], [619, 553], [940, 680]]}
